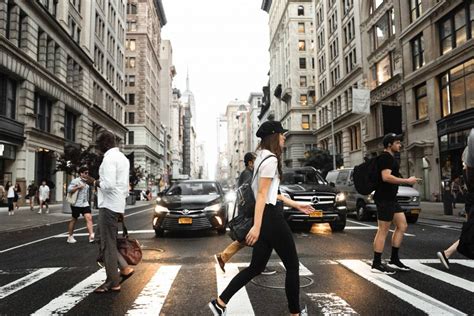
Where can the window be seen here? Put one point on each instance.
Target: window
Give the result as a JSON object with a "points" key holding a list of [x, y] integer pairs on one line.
{"points": [[301, 28], [70, 126], [131, 81], [305, 122], [301, 45], [373, 5], [302, 63], [131, 26], [131, 99], [300, 10], [421, 102], [454, 30], [130, 45], [382, 71], [355, 137], [457, 88], [131, 8], [303, 99], [417, 51], [303, 81], [415, 9], [347, 5], [334, 49], [7, 97], [314, 124], [131, 138], [43, 111], [338, 143], [131, 117]]}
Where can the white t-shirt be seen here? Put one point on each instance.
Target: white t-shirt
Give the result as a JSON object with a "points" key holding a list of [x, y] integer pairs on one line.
{"points": [[43, 192], [268, 169]]}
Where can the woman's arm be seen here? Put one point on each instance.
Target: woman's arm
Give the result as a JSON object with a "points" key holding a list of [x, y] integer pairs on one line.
{"points": [[305, 208], [254, 233]]}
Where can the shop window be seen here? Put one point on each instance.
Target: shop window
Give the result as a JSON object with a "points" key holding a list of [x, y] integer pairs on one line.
{"points": [[418, 50], [305, 122], [7, 97], [421, 102]]}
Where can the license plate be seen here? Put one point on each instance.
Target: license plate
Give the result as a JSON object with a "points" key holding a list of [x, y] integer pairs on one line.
{"points": [[415, 211], [316, 214], [185, 220]]}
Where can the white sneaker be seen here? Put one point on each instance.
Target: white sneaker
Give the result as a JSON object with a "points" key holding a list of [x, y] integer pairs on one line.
{"points": [[71, 240], [304, 311], [91, 238], [39, 212], [47, 211]]}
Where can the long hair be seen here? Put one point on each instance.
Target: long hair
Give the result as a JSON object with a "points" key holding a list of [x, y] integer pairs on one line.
{"points": [[272, 143]]}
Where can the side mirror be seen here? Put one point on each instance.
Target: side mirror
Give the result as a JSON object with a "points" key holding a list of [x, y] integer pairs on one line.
{"points": [[332, 184]]}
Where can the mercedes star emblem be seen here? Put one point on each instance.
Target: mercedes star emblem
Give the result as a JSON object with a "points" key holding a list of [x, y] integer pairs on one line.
{"points": [[315, 200]]}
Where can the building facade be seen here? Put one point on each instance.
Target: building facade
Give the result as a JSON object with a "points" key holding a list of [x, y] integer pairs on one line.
{"points": [[55, 91], [177, 134], [338, 70], [255, 101], [142, 87], [292, 78], [438, 43]]}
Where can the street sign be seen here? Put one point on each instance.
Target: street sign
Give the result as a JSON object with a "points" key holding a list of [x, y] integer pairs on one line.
{"points": [[361, 101]]}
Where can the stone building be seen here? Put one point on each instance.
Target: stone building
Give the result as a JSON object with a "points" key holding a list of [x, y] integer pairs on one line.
{"points": [[338, 70], [177, 134], [61, 69], [142, 87], [438, 86], [292, 80], [255, 101]]}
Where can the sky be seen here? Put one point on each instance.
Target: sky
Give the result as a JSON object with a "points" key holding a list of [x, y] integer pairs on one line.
{"points": [[224, 44]]}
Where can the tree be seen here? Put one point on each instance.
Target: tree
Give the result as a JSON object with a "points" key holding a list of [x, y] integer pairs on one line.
{"points": [[77, 156], [136, 174], [322, 160]]}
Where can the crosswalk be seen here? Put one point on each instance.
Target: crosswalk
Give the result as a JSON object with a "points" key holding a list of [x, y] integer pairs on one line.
{"points": [[154, 295]]}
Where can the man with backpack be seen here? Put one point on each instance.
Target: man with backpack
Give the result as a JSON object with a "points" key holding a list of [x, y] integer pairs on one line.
{"points": [[388, 210]]}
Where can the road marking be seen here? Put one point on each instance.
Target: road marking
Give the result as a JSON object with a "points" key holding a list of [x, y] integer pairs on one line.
{"points": [[62, 304], [25, 281], [360, 228], [410, 295], [374, 227], [439, 226], [240, 302], [143, 231], [153, 296], [331, 304], [465, 262], [303, 270], [58, 235], [440, 275]]}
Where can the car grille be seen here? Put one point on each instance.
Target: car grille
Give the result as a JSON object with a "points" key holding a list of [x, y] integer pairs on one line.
{"points": [[171, 223], [323, 200], [403, 199]]}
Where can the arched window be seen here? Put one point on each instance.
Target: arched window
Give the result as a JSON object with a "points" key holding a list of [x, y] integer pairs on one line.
{"points": [[300, 10]]}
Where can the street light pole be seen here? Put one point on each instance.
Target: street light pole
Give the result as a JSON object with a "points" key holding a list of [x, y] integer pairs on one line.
{"points": [[332, 139]]}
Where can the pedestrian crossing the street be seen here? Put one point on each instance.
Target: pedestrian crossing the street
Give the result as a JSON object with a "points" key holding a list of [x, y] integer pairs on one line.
{"points": [[151, 295]]}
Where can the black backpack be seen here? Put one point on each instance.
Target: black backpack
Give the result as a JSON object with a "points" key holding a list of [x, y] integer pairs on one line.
{"points": [[366, 176]]}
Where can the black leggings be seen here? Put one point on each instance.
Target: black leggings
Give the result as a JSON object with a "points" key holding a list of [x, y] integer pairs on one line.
{"points": [[274, 234]]}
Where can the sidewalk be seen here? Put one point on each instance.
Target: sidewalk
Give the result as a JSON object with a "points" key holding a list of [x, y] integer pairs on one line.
{"points": [[435, 211], [24, 218]]}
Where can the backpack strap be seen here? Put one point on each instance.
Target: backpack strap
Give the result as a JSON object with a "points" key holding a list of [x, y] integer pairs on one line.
{"points": [[256, 172]]}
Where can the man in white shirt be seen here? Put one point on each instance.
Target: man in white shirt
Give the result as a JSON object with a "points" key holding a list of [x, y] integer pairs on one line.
{"points": [[112, 188], [43, 197]]}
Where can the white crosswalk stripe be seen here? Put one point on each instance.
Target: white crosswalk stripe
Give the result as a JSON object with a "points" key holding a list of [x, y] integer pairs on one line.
{"points": [[155, 293]]}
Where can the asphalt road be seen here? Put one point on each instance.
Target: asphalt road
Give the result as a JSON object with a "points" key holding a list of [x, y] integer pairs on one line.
{"points": [[40, 273]]}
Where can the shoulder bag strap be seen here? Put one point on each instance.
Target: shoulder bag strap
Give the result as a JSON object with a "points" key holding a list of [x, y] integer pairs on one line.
{"points": [[256, 172]]}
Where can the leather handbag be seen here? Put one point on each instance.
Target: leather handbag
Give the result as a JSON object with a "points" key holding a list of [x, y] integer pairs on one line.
{"points": [[241, 224], [130, 249]]}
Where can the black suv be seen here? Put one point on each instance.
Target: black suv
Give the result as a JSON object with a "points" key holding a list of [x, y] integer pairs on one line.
{"points": [[305, 184]]}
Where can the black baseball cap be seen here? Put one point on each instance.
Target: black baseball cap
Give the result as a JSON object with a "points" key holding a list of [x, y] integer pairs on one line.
{"points": [[270, 128], [390, 138]]}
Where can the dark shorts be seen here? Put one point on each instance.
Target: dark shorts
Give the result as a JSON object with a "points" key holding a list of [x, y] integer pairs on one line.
{"points": [[386, 209], [77, 211]]}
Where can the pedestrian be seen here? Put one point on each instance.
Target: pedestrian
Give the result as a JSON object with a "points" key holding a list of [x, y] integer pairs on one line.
{"points": [[3, 194], [270, 230], [388, 210], [43, 197], [245, 177], [456, 190], [468, 170], [10, 197], [81, 206], [32, 190], [112, 188], [17, 190]]}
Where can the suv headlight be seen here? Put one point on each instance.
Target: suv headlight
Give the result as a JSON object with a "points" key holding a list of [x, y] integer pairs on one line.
{"points": [[415, 199], [370, 198], [340, 197], [161, 209], [215, 207]]}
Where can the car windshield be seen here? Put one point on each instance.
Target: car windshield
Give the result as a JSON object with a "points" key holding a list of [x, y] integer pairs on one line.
{"points": [[193, 188], [302, 176]]}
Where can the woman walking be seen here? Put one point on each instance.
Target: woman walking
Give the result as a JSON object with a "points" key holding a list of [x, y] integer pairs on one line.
{"points": [[270, 230], [10, 196], [17, 196]]}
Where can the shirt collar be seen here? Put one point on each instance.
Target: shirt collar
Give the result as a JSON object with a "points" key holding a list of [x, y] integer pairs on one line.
{"points": [[110, 151]]}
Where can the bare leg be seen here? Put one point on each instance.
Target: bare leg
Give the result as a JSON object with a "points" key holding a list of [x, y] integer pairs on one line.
{"points": [[89, 224], [452, 249], [400, 221], [382, 232], [71, 225]]}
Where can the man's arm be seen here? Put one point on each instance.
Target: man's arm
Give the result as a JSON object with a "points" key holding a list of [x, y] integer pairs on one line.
{"points": [[388, 177], [108, 178]]}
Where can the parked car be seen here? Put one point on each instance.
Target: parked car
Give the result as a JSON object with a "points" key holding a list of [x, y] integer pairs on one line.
{"points": [[363, 205], [305, 184], [191, 205]]}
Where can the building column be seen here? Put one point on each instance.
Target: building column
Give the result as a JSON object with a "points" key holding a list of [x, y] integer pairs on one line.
{"points": [[3, 17], [50, 55], [42, 49], [14, 24], [60, 63], [57, 126], [26, 104], [29, 37]]}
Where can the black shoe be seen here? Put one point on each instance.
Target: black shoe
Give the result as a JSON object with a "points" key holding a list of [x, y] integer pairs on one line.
{"points": [[382, 268], [216, 309], [398, 265], [220, 262], [444, 260]]}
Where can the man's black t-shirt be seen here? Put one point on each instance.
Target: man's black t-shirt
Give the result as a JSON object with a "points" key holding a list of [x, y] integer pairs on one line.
{"points": [[245, 176], [387, 191]]}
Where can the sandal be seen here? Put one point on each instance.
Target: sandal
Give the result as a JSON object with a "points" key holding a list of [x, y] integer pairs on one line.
{"points": [[103, 289]]}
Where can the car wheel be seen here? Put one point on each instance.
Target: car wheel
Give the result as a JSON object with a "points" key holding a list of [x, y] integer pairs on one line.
{"points": [[361, 212], [159, 232], [339, 225], [413, 218]]}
